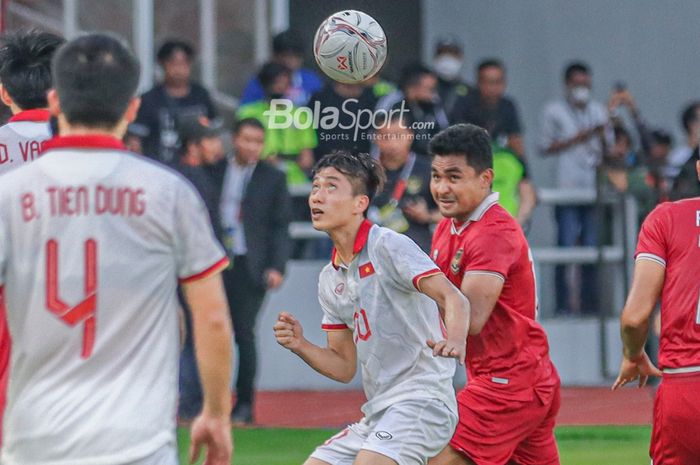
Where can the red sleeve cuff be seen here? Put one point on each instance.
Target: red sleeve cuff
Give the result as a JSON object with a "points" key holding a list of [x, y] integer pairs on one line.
{"points": [[425, 274], [337, 327], [210, 271]]}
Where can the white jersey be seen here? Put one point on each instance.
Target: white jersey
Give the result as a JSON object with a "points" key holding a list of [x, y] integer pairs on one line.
{"points": [[21, 138], [377, 297], [93, 240]]}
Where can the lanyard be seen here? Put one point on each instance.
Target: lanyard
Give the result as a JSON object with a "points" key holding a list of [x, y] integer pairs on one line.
{"points": [[400, 186]]}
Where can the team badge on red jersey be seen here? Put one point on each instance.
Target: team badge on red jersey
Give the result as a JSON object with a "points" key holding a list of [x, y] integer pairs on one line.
{"points": [[456, 261], [366, 270]]}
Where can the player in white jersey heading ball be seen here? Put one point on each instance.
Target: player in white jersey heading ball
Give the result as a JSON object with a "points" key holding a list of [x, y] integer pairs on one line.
{"points": [[92, 242], [379, 296], [25, 78]]}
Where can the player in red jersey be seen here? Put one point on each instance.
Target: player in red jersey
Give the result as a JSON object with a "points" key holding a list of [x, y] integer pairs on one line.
{"points": [[667, 266], [25, 77], [507, 410]]}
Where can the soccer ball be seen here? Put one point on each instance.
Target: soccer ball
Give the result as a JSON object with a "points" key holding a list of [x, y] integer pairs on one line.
{"points": [[350, 46]]}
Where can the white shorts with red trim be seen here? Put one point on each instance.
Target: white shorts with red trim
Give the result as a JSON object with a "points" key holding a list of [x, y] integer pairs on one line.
{"points": [[409, 432]]}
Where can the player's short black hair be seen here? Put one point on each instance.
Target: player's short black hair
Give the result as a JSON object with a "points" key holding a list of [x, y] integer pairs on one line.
{"points": [[96, 76], [249, 122], [171, 46], [690, 115], [270, 72], [412, 73], [575, 67], [661, 137], [287, 42], [465, 139], [490, 63], [25, 66], [364, 172]]}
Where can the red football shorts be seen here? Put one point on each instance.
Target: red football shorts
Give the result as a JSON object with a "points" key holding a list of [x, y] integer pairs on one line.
{"points": [[675, 437], [497, 426]]}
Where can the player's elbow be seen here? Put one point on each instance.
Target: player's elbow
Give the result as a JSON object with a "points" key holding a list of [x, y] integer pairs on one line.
{"points": [[633, 320], [219, 323]]}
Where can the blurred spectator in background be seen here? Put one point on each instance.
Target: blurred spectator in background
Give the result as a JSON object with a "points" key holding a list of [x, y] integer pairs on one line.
{"points": [[176, 98], [255, 208], [489, 108], [574, 130], [511, 180], [447, 65], [201, 146], [686, 184], [288, 51], [418, 94], [683, 152], [405, 204], [350, 101], [380, 86], [287, 146]]}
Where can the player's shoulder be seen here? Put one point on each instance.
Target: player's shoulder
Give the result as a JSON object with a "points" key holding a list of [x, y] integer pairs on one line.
{"points": [[497, 220]]}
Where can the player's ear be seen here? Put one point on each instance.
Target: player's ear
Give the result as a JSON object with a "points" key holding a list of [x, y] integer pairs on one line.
{"points": [[487, 177], [361, 202], [5, 96], [54, 104], [697, 168], [133, 109]]}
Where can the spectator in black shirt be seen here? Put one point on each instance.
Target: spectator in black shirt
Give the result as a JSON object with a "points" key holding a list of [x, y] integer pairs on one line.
{"points": [[489, 108], [175, 99], [447, 64], [405, 205], [347, 100]]}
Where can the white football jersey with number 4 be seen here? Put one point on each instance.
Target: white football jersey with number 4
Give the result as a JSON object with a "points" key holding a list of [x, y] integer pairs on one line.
{"points": [[93, 240]]}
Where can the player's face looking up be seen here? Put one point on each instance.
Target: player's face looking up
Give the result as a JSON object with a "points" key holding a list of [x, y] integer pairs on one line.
{"points": [[333, 202], [456, 187]]}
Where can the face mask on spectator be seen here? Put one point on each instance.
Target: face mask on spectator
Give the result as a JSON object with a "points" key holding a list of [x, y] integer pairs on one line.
{"points": [[580, 94], [447, 67]]}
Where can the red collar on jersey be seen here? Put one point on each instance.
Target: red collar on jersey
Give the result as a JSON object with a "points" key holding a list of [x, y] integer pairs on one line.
{"points": [[103, 142], [360, 241], [37, 115]]}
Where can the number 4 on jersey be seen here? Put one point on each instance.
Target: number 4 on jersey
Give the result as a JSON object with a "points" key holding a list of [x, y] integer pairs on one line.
{"points": [[83, 311]]}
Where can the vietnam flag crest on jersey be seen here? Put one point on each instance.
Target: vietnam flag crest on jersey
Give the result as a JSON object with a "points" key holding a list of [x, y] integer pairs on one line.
{"points": [[366, 270]]}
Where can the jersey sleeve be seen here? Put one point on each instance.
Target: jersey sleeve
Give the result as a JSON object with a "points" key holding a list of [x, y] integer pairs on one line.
{"points": [[4, 249], [198, 253], [404, 261], [331, 319], [491, 253], [652, 236]]}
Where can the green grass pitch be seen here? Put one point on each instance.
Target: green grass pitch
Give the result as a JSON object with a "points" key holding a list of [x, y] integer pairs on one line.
{"points": [[578, 445]]}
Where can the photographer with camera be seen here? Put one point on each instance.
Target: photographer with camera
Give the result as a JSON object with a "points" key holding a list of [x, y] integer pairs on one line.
{"points": [[576, 130]]}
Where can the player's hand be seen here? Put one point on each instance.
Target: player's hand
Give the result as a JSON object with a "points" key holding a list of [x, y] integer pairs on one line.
{"points": [[288, 331], [639, 367], [213, 432], [273, 278], [449, 349]]}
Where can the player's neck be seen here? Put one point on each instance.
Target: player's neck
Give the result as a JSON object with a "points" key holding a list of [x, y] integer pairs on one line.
{"points": [[344, 239], [177, 89]]}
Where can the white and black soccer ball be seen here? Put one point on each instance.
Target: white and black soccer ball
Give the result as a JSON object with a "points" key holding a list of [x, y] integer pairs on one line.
{"points": [[350, 46]]}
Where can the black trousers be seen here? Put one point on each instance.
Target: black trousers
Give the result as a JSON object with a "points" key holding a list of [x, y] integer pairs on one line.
{"points": [[245, 297]]}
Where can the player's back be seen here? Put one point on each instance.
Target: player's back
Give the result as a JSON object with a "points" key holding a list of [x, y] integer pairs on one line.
{"points": [[92, 241], [21, 138], [671, 236]]}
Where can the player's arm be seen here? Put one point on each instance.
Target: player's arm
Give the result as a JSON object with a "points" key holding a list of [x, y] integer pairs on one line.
{"points": [[528, 201], [647, 284], [482, 290], [212, 340], [456, 315], [338, 360]]}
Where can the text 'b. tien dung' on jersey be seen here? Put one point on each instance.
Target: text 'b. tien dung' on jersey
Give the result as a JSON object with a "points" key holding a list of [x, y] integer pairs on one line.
{"points": [[85, 200]]}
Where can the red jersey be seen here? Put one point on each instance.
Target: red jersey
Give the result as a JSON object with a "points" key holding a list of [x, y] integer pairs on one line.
{"points": [[512, 347], [670, 236]]}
